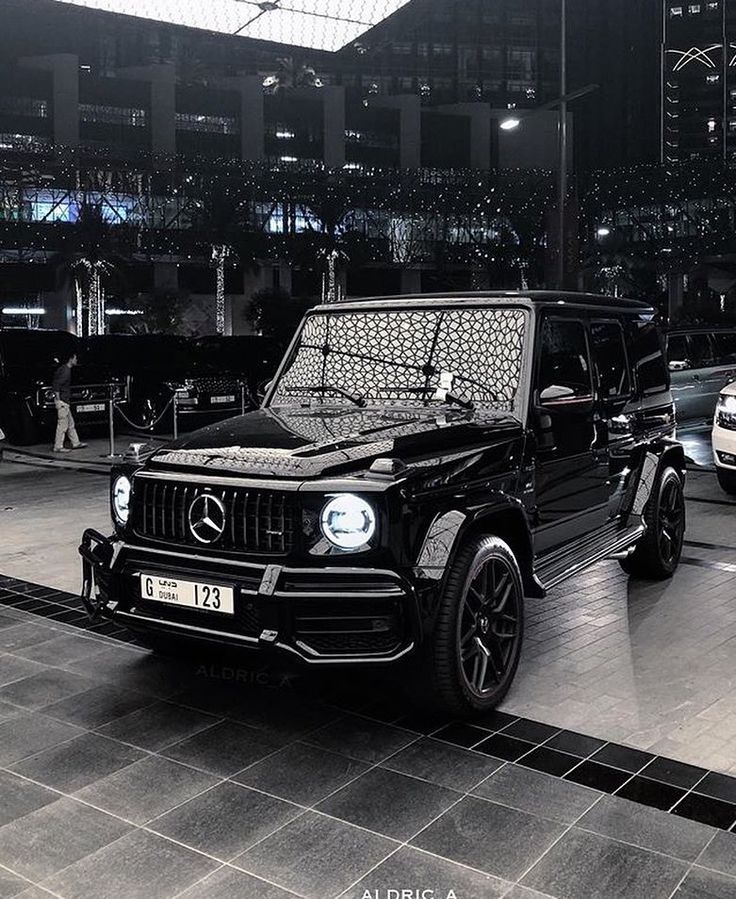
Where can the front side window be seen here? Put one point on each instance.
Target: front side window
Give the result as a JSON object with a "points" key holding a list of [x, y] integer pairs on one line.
{"points": [[609, 353], [402, 357], [678, 353], [564, 366]]}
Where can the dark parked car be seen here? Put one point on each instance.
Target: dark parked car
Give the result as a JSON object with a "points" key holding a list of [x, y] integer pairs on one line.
{"points": [[214, 377], [28, 359], [418, 466], [702, 362]]}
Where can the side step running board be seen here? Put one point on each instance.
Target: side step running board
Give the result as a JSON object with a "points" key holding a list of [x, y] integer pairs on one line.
{"points": [[560, 566]]}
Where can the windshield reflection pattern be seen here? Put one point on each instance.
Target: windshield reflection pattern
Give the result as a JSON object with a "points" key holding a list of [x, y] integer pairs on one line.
{"points": [[398, 356]]}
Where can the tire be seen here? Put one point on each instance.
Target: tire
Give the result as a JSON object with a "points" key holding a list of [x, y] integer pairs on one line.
{"points": [[22, 430], [657, 554], [727, 480], [471, 657]]}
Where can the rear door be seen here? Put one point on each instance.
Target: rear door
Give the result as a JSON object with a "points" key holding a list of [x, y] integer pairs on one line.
{"points": [[707, 374], [684, 380], [616, 432]]}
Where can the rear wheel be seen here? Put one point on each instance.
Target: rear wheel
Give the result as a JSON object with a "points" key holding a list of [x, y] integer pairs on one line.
{"points": [[473, 653], [727, 480], [657, 554]]}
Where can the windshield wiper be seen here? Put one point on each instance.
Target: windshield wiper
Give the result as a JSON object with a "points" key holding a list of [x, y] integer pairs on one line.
{"points": [[449, 397], [321, 388]]}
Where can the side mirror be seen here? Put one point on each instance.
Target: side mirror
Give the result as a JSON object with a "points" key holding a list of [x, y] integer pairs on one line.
{"points": [[556, 392], [263, 389]]}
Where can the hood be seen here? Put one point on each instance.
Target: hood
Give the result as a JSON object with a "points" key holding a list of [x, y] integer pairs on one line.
{"points": [[317, 441]]}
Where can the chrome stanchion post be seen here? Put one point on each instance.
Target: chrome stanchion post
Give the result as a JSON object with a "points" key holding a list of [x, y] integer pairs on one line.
{"points": [[111, 424], [175, 407], [242, 397]]}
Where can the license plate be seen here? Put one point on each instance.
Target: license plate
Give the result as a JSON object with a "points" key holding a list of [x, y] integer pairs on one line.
{"points": [[91, 407], [190, 594], [216, 400]]}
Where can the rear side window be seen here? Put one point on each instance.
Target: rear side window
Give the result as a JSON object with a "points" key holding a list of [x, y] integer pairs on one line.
{"points": [[701, 351], [647, 356], [609, 357], [564, 358], [725, 348]]}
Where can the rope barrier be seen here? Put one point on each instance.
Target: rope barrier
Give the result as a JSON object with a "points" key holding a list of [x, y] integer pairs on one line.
{"points": [[144, 428]]}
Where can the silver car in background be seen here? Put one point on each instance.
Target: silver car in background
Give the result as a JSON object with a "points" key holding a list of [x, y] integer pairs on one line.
{"points": [[702, 361]]}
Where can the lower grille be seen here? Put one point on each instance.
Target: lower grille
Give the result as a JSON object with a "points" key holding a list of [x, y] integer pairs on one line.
{"points": [[338, 628], [345, 644], [255, 521]]}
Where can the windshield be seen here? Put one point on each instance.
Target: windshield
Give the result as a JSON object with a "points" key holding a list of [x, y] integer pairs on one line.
{"points": [[402, 357]]}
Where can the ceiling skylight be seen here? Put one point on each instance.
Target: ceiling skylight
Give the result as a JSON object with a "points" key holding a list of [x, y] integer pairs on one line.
{"points": [[318, 24]]}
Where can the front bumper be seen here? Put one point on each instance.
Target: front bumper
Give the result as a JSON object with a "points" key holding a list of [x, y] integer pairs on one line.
{"points": [[322, 615], [724, 447]]}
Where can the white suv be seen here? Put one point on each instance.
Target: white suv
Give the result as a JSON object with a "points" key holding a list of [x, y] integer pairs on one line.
{"points": [[724, 438]]}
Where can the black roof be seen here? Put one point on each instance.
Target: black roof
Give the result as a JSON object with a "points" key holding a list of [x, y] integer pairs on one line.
{"points": [[533, 297]]}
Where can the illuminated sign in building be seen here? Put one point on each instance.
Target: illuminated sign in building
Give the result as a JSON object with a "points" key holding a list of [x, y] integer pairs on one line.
{"points": [[318, 24]]}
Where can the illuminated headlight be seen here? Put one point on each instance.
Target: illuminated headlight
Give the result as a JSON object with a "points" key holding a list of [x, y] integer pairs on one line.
{"points": [[48, 395], [121, 488], [348, 521], [726, 412]]}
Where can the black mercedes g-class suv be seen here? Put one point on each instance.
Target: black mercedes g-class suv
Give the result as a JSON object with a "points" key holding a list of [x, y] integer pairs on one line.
{"points": [[418, 466]]}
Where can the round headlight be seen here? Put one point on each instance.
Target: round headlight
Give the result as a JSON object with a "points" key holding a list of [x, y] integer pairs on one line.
{"points": [[348, 521], [121, 498]]}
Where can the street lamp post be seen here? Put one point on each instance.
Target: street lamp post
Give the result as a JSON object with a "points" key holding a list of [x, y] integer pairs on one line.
{"points": [[563, 145]]}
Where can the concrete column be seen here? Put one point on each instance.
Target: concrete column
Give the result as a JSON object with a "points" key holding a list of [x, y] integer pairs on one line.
{"points": [[252, 117], [333, 99], [410, 127], [480, 131], [166, 276], [65, 71], [162, 79]]}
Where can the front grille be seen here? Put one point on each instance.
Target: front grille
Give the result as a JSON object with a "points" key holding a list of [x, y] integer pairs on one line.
{"points": [[256, 521]]}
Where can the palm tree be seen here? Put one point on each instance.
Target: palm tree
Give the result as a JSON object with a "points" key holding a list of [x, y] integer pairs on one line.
{"points": [[292, 73], [92, 247], [224, 218]]}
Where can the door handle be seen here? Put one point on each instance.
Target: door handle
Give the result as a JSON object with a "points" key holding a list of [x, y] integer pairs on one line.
{"points": [[696, 377]]}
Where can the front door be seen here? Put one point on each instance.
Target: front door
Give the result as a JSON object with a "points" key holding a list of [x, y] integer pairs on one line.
{"points": [[613, 376], [571, 468]]}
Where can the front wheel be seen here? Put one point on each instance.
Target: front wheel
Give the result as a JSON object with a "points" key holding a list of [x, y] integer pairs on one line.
{"points": [[472, 656], [657, 554], [727, 480]]}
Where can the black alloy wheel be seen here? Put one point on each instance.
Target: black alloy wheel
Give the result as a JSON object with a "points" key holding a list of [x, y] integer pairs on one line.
{"points": [[671, 521], [488, 625], [658, 552], [473, 654]]}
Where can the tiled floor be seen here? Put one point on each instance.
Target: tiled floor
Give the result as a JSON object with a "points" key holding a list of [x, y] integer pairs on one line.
{"points": [[126, 775], [604, 774], [650, 665]]}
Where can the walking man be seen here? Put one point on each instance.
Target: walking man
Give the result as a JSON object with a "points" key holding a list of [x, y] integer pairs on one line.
{"points": [[62, 387]]}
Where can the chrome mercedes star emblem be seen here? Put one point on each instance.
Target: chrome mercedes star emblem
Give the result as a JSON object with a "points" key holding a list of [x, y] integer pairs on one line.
{"points": [[207, 518]]}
